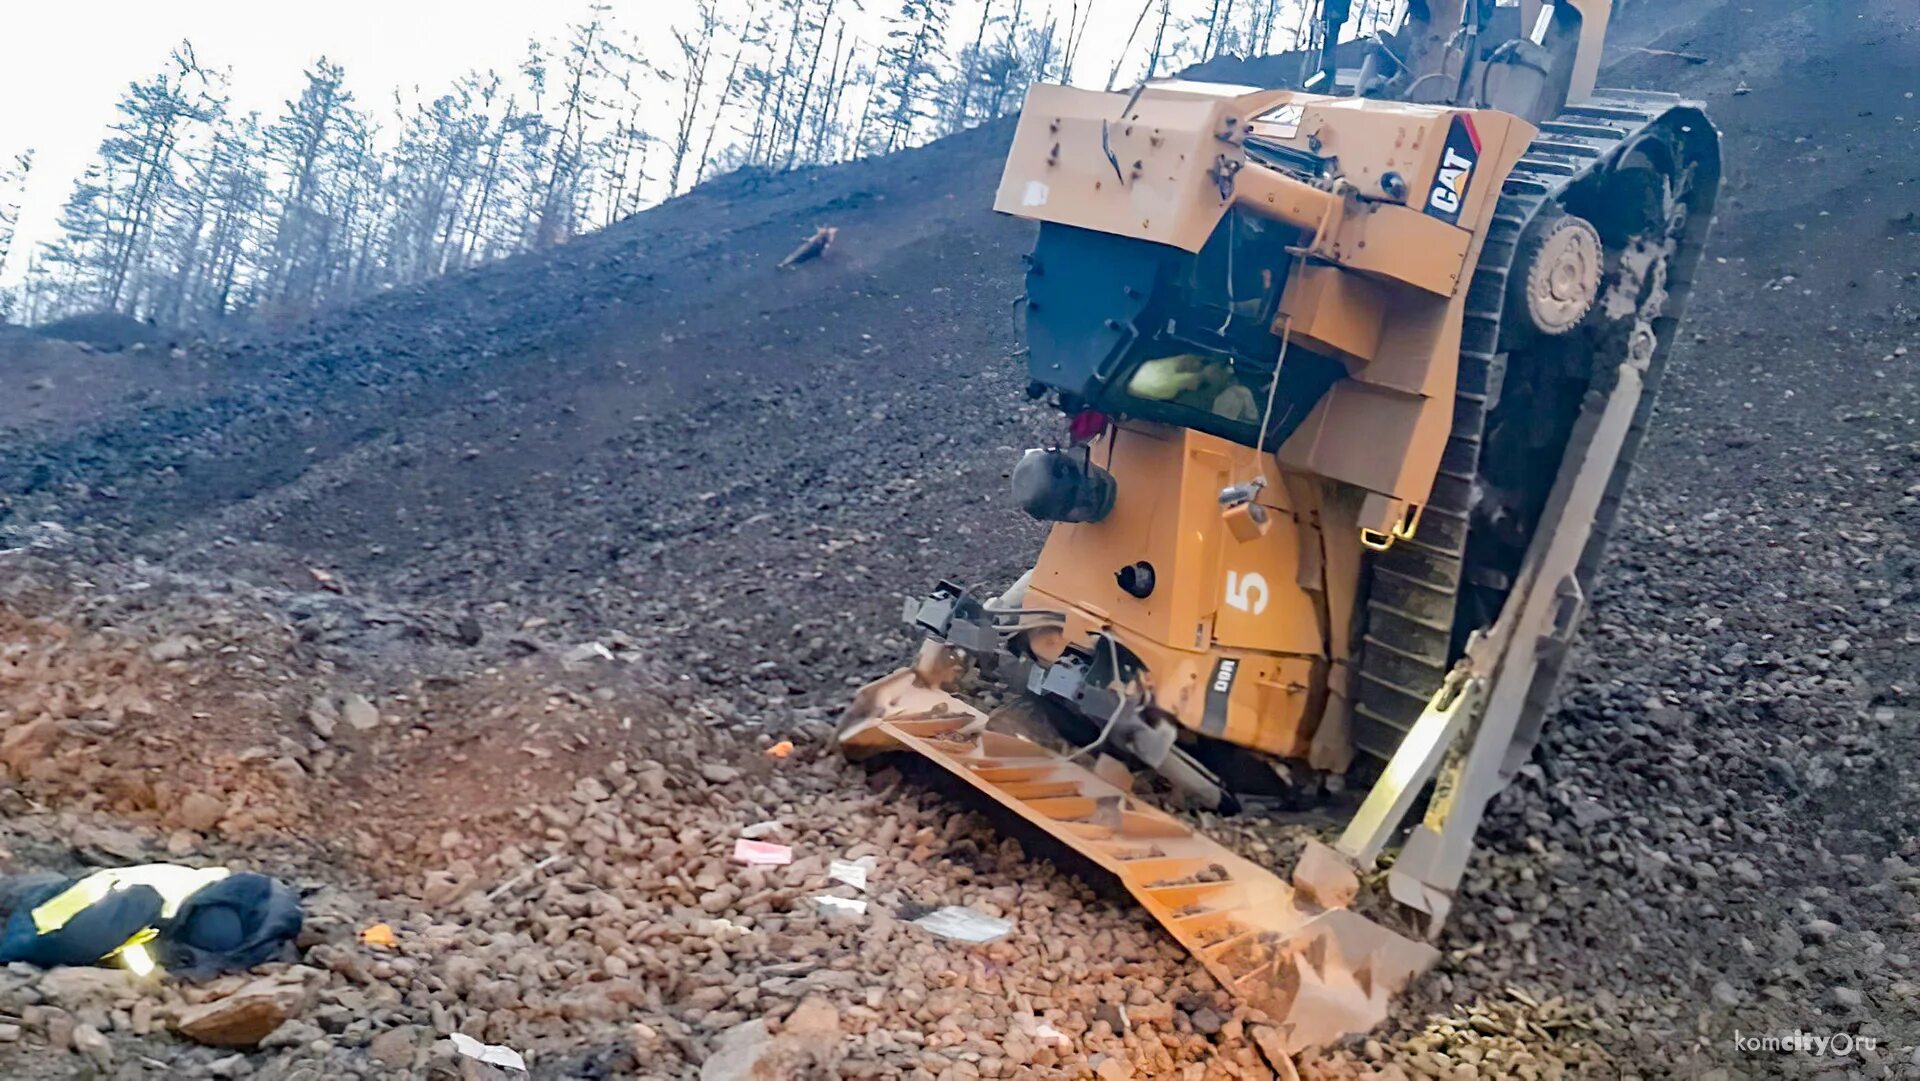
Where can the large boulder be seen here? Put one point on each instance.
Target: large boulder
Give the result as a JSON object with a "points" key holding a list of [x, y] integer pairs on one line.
{"points": [[245, 1017]]}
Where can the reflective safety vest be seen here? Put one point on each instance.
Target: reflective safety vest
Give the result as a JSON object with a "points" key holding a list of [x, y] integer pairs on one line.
{"points": [[173, 883], [193, 922]]}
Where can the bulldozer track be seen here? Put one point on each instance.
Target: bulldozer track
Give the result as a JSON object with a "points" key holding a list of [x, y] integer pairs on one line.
{"points": [[1415, 586]]}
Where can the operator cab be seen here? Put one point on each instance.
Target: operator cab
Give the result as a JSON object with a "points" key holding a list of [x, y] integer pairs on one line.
{"points": [[1140, 330]]}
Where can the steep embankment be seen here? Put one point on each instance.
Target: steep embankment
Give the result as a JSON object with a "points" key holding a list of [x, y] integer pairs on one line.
{"points": [[650, 429]]}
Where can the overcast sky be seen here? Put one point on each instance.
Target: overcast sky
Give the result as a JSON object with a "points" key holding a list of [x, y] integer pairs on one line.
{"points": [[63, 63]]}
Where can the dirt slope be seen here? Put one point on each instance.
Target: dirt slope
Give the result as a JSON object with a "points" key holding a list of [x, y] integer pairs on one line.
{"points": [[651, 429]]}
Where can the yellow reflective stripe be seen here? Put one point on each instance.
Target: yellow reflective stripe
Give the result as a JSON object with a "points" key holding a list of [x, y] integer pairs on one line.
{"points": [[133, 952], [53, 913], [140, 937], [173, 883], [137, 959]]}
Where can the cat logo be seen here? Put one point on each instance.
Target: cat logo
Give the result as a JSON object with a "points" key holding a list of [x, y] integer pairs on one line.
{"points": [[1457, 161]]}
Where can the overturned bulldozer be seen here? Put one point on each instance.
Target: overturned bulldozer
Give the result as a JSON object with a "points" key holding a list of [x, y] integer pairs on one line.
{"points": [[1355, 378]]}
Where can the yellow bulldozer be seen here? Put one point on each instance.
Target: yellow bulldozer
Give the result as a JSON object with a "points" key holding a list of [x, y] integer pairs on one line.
{"points": [[1354, 377]]}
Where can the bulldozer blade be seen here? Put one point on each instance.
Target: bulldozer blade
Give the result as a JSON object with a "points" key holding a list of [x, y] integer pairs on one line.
{"points": [[1317, 969], [913, 693]]}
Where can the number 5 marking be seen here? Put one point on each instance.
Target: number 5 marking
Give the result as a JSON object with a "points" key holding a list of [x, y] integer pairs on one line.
{"points": [[1247, 592]]}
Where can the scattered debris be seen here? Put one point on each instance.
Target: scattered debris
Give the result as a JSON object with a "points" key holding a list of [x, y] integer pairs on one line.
{"points": [[1555, 881], [1691, 58], [761, 853], [964, 925], [359, 713], [761, 829], [852, 906], [492, 1054], [811, 248], [781, 749], [851, 872], [380, 936], [324, 716], [245, 1017], [88, 1041], [521, 879], [178, 647], [586, 652]]}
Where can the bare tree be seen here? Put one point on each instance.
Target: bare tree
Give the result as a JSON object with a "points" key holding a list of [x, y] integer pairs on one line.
{"points": [[630, 143], [751, 34], [478, 240], [1025, 55], [240, 197], [806, 88], [911, 61], [960, 99], [829, 113], [858, 137], [305, 143], [143, 147], [773, 83], [1076, 37], [13, 183], [582, 65], [696, 52], [77, 262], [1159, 40], [1114, 74], [190, 214], [184, 235]]}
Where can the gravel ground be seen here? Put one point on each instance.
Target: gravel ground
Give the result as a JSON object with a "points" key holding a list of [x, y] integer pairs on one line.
{"points": [[725, 477]]}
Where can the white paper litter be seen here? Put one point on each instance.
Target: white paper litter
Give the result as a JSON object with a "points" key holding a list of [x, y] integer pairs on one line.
{"points": [[851, 905], [587, 651], [761, 829], [853, 873], [492, 1054], [963, 924], [1046, 1033]]}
